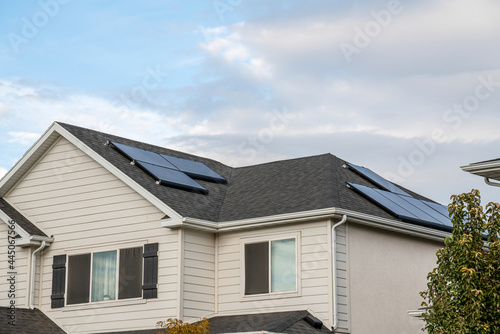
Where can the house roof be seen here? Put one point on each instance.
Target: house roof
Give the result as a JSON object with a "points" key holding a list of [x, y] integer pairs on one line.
{"points": [[291, 322], [28, 322], [270, 189], [20, 219], [274, 188]]}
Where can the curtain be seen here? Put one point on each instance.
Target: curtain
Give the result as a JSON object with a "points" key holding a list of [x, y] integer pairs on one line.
{"points": [[104, 276], [283, 265]]}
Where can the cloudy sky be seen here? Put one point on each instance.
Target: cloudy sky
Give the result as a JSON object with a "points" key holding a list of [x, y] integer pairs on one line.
{"points": [[410, 89]]}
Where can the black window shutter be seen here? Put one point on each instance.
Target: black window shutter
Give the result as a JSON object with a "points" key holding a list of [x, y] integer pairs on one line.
{"points": [[257, 268], [58, 281], [150, 283]]}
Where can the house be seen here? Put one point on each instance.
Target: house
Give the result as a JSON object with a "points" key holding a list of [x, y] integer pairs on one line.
{"points": [[112, 235]]}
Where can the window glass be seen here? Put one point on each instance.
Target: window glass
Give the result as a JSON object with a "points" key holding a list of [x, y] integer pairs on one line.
{"points": [[78, 279], [104, 276], [130, 273], [257, 268], [283, 265]]}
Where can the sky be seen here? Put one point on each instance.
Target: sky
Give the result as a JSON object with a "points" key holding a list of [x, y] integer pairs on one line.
{"points": [[409, 88]]}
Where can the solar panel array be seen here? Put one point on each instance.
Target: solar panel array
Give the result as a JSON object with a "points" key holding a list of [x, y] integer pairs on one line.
{"points": [[171, 171], [400, 203]]}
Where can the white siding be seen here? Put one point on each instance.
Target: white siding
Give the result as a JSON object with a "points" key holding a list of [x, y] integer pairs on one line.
{"points": [[314, 277], [199, 275], [70, 196]]}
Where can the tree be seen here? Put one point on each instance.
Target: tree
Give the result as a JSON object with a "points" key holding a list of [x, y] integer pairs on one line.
{"points": [[462, 293], [176, 326]]}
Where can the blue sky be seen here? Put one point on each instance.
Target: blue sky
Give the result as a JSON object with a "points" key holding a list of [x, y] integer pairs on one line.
{"points": [[410, 89]]}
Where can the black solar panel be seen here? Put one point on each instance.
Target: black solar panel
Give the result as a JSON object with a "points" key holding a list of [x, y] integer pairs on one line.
{"points": [[138, 154], [377, 179], [407, 208], [195, 169], [172, 177], [171, 171]]}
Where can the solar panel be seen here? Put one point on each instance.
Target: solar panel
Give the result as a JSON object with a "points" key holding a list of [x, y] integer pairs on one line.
{"points": [[441, 209], [405, 207], [138, 154], [376, 195], [428, 210], [377, 179], [195, 169], [171, 177]]}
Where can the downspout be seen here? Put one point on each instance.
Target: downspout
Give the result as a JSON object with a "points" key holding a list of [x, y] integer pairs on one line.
{"points": [[334, 268], [488, 182], [32, 274]]}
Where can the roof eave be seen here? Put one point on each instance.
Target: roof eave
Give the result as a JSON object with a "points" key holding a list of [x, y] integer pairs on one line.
{"points": [[490, 169], [305, 216]]}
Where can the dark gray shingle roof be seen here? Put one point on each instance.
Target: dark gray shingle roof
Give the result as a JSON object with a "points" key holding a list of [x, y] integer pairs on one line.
{"points": [[291, 322], [28, 322], [273, 188], [20, 219]]}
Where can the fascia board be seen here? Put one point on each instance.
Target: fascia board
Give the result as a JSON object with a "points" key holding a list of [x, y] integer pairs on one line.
{"points": [[485, 167], [297, 217]]}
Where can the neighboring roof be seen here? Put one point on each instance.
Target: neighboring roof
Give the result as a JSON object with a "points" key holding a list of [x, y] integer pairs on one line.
{"points": [[488, 168], [28, 322], [267, 189], [292, 322], [21, 220]]}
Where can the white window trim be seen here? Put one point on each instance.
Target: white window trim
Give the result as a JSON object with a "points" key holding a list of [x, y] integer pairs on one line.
{"points": [[272, 237], [114, 247]]}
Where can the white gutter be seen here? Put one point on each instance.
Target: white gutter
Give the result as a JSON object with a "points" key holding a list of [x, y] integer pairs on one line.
{"points": [[490, 183], [32, 274], [334, 268]]}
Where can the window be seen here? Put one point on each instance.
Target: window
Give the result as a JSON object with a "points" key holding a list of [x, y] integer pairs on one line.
{"points": [[271, 266], [103, 276], [109, 275]]}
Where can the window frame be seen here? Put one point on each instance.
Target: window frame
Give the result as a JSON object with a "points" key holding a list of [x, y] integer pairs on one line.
{"points": [[117, 249], [269, 238]]}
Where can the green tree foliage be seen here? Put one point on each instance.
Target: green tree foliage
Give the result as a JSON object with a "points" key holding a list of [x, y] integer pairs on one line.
{"points": [[176, 326], [462, 293]]}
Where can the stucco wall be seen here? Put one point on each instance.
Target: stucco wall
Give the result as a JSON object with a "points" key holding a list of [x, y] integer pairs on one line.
{"points": [[387, 272]]}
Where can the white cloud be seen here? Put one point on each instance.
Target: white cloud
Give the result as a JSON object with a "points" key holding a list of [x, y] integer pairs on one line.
{"points": [[23, 138], [3, 171]]}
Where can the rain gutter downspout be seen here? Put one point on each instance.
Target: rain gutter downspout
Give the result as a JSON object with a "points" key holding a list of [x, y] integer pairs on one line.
{"points": [[32, 274], [490, 183], [334, 268]]}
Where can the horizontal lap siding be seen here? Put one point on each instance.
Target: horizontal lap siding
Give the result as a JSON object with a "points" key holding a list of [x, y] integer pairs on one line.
{"points": [[85, 208], [315, 275], [199, 275]]}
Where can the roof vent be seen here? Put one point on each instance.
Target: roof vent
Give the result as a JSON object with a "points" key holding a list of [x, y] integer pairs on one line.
{"points": [[314, 322]]}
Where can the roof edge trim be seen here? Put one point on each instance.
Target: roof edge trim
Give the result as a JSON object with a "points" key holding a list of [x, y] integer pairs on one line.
{"points": [[298, 217], [26, 238]]}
